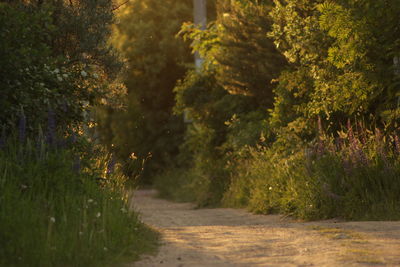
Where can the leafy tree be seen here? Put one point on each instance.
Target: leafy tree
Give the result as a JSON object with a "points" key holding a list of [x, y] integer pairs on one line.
{"points": [[229, 96], [54, 56], [341, 62], [248, 61]]}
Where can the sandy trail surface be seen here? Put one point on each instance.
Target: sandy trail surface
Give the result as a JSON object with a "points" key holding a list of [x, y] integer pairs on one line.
{"points": [[234, 237]]}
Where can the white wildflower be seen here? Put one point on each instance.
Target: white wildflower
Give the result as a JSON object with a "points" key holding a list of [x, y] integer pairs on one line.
{"points": [[95, 75], [98, 215], [83, 73], [124, 210], [52, 219], [270, 188], [90, 200], [105, 249], [56, 71], [59, 78]]}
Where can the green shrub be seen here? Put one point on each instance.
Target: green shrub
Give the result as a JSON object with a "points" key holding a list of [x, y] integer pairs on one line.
{"points": [[54, 55]]}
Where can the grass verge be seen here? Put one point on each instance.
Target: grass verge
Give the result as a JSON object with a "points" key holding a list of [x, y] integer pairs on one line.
{"points": [[59, 208]]}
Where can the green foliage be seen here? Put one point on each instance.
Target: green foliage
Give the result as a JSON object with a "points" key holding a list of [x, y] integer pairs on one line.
{"points": [[54, 55], [227, 98], [261, 145], [52, 214], [341, 55], [247, 60]]}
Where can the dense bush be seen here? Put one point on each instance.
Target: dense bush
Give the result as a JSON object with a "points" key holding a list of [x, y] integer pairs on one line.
{"points": [[54, 55]]}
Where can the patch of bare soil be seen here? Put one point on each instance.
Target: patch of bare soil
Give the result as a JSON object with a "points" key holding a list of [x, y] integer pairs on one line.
{"points": [[234, 237]]}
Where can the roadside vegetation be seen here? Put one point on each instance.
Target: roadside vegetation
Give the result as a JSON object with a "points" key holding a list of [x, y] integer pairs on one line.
{"points": [[63, 200], [65, 206], [295, 109], [319, 137]]}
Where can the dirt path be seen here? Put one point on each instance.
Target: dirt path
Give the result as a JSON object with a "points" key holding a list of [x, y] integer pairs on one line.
{"points": [[230, 237]]}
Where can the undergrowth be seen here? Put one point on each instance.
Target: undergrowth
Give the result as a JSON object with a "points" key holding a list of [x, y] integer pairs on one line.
{"points": [[355, 176], [65, 207]]}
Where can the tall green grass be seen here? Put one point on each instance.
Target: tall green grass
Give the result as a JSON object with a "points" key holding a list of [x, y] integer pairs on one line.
{"points": [[59, 207], [355, 176]]}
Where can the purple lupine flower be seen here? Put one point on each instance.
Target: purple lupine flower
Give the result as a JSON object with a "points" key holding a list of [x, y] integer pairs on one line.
{"points": [[363, 134], [397, 143], [338, 144], [51, 127], [111, 165], [22, 127], [380, 143], [350, 133], [359, 156]]}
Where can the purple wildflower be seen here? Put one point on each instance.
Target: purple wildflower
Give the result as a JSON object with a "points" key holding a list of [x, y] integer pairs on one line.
{"points": [[397, 143], [350, 133], [338, 143], [111, 165], [380, 143], [22, 127], [363, 134]]}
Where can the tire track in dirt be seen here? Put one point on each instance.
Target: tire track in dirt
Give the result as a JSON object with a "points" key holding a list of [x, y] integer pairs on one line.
{"points": [[234, 237]]}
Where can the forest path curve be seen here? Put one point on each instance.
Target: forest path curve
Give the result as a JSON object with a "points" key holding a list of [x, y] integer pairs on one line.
{"points": [[234, 237]]}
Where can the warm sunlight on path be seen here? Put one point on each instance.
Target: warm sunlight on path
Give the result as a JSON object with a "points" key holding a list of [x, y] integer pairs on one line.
{"points": [[230, 237]]}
